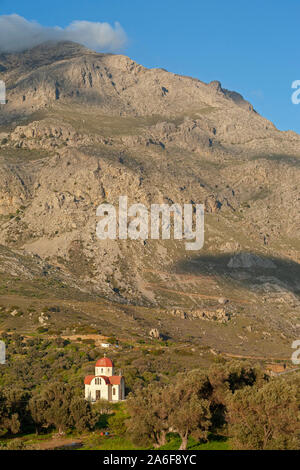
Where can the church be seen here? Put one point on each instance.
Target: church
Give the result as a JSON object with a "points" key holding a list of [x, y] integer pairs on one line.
{"points": [[104, 385]]}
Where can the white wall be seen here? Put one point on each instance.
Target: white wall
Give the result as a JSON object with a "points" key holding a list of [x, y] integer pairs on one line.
{"points": [[105, 390], [108, 371]]}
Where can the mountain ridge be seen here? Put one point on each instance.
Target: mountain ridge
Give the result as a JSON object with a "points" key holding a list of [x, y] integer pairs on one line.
{"points": [[85, 128]]}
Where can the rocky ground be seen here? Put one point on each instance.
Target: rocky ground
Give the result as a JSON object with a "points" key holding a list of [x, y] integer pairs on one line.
{"points": [[81, 128]]}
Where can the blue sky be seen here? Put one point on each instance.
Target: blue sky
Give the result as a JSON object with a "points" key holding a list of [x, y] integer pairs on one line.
{"points": [[250, 46]]}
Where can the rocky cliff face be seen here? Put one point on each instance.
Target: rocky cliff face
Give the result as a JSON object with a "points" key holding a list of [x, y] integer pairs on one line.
{"points": [[81, 128]]}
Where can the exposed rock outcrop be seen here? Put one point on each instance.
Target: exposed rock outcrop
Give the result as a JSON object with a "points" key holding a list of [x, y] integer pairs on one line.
{"points": [[155, 334], [219, 315]]}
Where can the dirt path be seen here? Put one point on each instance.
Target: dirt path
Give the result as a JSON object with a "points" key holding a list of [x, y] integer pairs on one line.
{"points": [[182, 277], [99, 339], [189, 294], [58, 442], [263, 358]]}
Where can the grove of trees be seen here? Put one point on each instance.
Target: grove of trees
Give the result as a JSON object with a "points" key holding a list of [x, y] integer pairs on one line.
{"points": [[41, 390], [55, 407], [254, 410]]}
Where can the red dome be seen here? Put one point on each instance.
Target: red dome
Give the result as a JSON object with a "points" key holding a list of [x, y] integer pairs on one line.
{"points": [[104, 362]]}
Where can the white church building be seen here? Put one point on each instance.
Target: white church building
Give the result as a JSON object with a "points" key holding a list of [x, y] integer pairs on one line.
{"points": [[104, 384]]}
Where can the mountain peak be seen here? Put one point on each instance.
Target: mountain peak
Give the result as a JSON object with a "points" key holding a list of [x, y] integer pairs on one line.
{"points": [[43, 54]]}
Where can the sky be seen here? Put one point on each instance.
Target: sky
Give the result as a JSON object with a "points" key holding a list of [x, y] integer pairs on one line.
{"points": [[251, 47]]}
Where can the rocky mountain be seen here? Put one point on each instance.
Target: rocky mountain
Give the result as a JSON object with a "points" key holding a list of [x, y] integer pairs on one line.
{"points": [[81, 128]]}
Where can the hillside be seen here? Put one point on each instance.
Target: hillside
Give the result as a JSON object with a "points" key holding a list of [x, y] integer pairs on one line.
{"points": [[81, 128]]}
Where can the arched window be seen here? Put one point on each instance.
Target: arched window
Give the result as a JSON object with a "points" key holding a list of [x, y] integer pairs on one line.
{"points": [[114, 391]]}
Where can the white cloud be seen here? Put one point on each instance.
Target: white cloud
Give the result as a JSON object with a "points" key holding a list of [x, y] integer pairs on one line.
{"points": [[18, 34]]}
